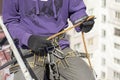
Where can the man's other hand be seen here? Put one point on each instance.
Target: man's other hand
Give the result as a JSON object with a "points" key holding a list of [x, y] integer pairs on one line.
{"points": [[36, 43]]}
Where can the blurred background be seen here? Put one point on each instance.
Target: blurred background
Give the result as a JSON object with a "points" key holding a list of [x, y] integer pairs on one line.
{"points": [[103, 42]]}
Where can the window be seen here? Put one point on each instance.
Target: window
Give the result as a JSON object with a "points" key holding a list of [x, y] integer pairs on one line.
{"points": [[91, 55], [117, 46], [117, 61], [103, 3], [117, 31], [116, 75], [103, 33], [77, 46], [90, 41], [90, 11], [103, 18], [103, 75], [117, 15], [117, 0], [103, 48]]}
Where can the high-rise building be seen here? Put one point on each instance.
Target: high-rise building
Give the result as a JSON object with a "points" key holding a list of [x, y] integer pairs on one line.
{"points": [[114, 37], [103, 42]]}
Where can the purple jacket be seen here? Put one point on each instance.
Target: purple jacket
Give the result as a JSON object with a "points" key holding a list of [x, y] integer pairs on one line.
{"points": [[40, 17]]}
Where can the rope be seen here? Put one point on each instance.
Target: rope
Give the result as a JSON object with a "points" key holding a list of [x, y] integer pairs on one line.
{"points": [[86, 52], [67, 29]]}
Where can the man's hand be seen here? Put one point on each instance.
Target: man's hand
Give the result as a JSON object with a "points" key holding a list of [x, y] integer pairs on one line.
{"points": [[87, 26], [36, 43]]}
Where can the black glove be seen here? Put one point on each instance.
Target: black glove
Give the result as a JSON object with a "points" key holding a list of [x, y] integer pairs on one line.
{"points": [[87, 26], [36, 43]]}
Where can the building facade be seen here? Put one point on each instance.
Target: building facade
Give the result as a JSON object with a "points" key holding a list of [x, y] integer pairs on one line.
{"points": [[103, 42]]}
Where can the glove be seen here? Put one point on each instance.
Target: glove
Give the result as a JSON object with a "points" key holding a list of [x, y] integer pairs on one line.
{"points": [[36, 43], [87, 26]]}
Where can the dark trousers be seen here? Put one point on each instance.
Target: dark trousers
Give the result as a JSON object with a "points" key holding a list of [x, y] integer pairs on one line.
{"points": [[77, 70]]}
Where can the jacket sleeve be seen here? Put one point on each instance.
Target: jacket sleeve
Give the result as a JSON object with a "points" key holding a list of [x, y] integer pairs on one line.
{"points": [[77, 10], [11, 18]]}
